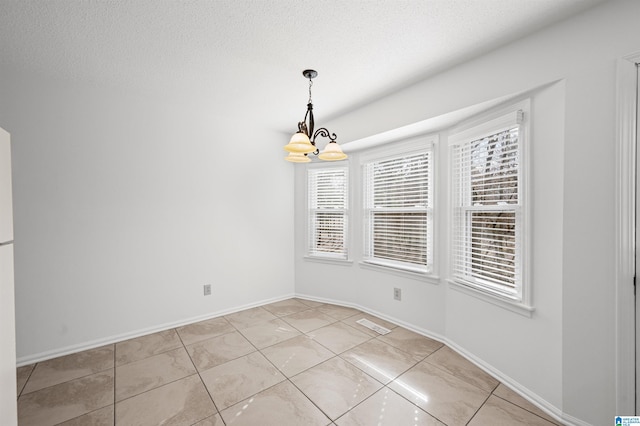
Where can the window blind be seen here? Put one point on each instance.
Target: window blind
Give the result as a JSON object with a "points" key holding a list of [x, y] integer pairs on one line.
{"points": [[486, 237], [328, 190], [399, 209]]}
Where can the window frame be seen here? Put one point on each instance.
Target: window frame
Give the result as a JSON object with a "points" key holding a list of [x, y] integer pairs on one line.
{"points": [[487, 125], [319, 255], [406, 147]]}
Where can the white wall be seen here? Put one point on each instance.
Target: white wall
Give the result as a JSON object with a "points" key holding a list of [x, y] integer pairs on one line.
{"points": [[126, 205], [124, 208], [434, 309], [565, 354]]}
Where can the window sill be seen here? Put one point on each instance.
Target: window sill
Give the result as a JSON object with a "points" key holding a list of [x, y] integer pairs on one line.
{"points": [[503, 302], [329, 260], [416, 275]]}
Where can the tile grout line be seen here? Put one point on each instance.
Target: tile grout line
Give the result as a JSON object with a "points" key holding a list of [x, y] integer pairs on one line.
{"points": [[479, 408], [423, 359], [22, 393], [27, 381], [256, 350], [146, 357], [253, 345], [462, 378], [184, 347], [519, 406], [307, 369], [335, 356], [288, 379], [309, 399], [386, 386]]}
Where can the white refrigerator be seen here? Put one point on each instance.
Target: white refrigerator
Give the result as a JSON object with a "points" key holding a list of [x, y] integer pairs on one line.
{"points": [[8, 392]]}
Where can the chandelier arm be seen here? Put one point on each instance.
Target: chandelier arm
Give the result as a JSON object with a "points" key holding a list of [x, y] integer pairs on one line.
{"points": [[325, 134], [311, 120]]}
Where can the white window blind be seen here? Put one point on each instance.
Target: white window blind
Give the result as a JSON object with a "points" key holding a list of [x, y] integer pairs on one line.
{"points": [[328, 202], [487, 210], [399, 211]]}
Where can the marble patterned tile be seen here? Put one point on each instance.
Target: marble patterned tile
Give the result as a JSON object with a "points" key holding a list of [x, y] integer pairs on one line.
{"points": [[66, 401], [269, 333], [309, 303], [102, 417], [339, 337], [149, 373], [336, 386], [211, 421], [454, 363], [285, 307], [444, 396], [352, 321], [236, 380], [411, 342], [387, 408], [380, 360], [296, 355], [504, 392], [204, 330], [309, 320], [218, 350], [69, 367], [282, 404], [155, 382], [338, 312], [496, 411], [249, 317], [145, 346], [183, 402], [22, 375]]}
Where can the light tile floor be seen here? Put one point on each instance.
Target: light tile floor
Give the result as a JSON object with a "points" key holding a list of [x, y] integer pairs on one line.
{"points": [[294, 362]]}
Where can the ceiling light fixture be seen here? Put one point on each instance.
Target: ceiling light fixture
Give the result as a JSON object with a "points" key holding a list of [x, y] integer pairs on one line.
{"points": [[303, 142]]}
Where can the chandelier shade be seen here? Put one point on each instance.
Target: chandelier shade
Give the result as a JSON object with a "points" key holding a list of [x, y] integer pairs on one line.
{"points": [[299, 143], [303, 142], [297, 157], [332, 152]]}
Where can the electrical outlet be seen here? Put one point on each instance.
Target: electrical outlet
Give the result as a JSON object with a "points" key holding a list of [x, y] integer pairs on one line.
{"points": [[207, 289], [397, 294]]}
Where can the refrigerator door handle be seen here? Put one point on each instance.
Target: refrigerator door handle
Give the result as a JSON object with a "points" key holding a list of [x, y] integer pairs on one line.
{"points": [[6, 243]]}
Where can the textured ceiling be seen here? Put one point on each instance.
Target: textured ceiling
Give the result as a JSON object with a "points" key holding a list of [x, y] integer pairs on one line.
{"points": [[241, 60]]}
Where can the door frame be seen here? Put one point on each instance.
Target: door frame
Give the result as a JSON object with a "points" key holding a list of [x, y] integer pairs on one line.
{"points": [[625, 232]]}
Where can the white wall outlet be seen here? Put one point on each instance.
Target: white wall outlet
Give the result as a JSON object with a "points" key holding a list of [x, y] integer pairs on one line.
{"points": [[397, 294], [207, 289]]}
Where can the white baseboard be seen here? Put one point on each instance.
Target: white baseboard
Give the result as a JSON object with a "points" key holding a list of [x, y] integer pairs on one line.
{"points": [[527, 394], [43, 356]]}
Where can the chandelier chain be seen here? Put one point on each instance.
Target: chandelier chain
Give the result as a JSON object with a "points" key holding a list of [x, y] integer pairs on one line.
{"points": [[310, 84]]}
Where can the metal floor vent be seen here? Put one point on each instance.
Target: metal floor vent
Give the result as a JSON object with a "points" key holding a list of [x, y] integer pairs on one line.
{"points": [[373, 326]]}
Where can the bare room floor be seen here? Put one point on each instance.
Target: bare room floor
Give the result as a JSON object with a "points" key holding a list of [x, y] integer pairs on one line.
{"points": [[294, 362]]}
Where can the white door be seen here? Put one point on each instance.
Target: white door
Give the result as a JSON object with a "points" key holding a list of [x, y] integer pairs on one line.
{"points": [[8, 397], [8, 393], [637, 246]]}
